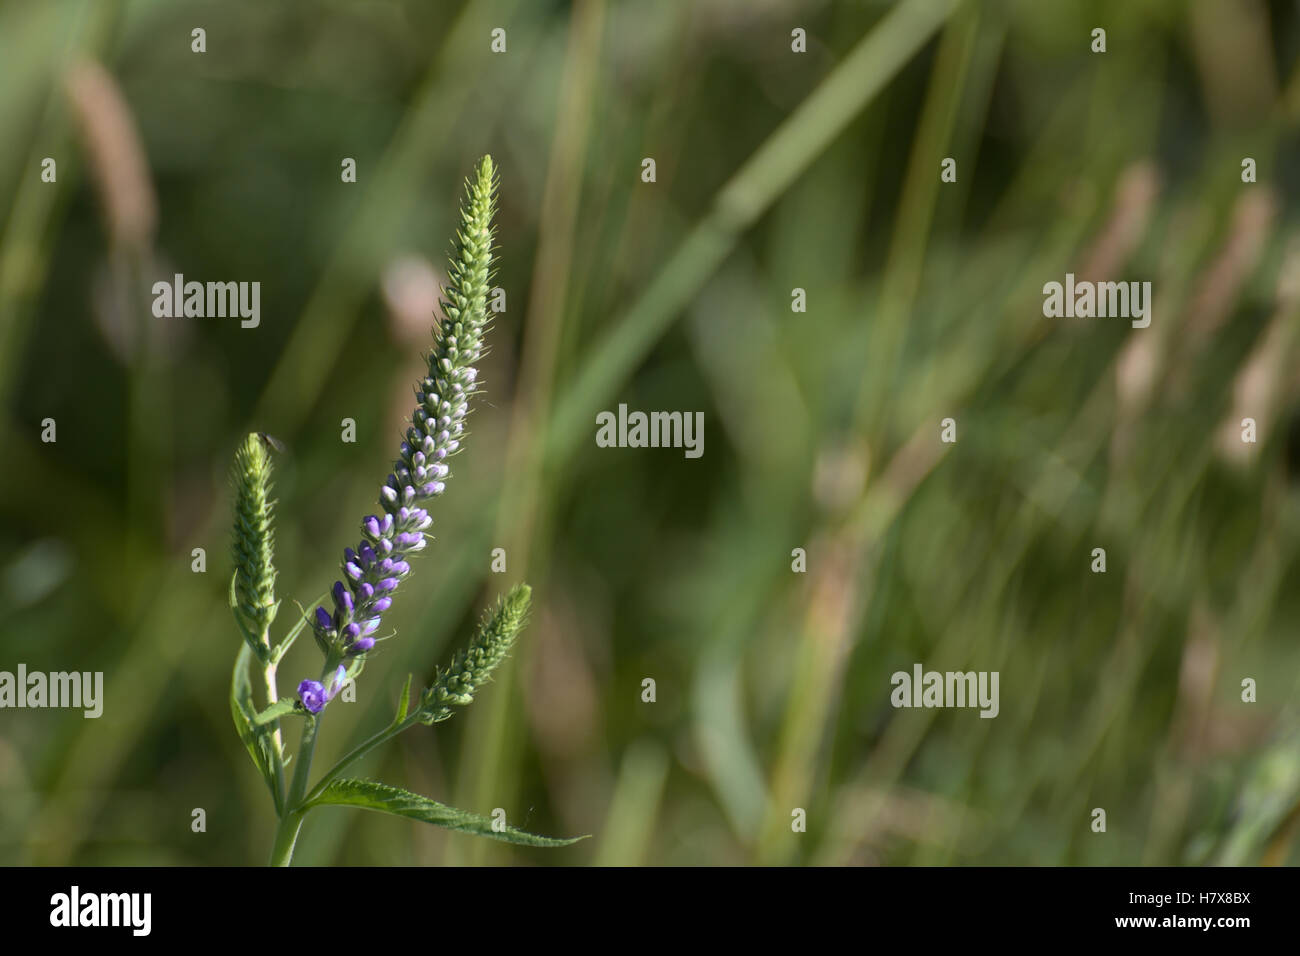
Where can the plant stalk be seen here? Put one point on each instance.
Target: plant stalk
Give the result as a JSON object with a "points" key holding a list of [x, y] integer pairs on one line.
{"points": [[277, 740], [286, 834]]}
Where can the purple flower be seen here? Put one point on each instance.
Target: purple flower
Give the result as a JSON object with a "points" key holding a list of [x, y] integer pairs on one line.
{"points": [[312, 695], [315, 695]]}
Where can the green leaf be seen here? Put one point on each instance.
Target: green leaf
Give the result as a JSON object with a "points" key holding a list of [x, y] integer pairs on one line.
{"points": [[404, 703], [369, 795], [243, 711], [277, 710]]}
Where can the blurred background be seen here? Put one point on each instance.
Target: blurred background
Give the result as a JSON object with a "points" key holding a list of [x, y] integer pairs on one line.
{"points": [[776, 170]]}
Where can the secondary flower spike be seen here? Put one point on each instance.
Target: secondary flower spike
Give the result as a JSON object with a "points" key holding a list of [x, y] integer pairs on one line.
{"points": [[374, 569], [471, 668], [253, 541]]}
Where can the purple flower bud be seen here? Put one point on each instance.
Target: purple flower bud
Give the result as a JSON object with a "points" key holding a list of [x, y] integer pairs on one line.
{"points": [[342, 598], [353, 571], [367, 555], [387, 584], [372, 625], [313, 697], [365, 591], [361, 646], [408, 540], [323, 619], [432, 488], [401, 567], [371, 524], [351, 632], [382, 605]]}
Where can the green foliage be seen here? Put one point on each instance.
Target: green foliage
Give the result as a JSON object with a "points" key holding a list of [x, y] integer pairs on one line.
{"points": [[252, 732], [368, 795]]}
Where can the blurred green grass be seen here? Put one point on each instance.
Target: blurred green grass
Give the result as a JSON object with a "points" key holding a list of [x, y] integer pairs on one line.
{"points": [[775, 171]]}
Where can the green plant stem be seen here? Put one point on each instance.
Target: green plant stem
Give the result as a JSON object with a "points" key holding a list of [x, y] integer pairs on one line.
{"points": [[360, 751], [286, 834], [272, 696]]}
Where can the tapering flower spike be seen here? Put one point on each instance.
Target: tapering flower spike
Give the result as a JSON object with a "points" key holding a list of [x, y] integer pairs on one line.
{"points": [[373, 570]]}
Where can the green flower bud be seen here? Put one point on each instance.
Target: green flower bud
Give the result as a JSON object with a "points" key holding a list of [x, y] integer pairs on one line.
{"points": [[253, 541], [472, 667]]}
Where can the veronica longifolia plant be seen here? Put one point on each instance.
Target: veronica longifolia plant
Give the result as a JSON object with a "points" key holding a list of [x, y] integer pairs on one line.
{"points": [[346, 623]]}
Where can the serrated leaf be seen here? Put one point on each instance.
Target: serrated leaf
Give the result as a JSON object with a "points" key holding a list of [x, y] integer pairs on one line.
{"points": [[370, 795]]}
